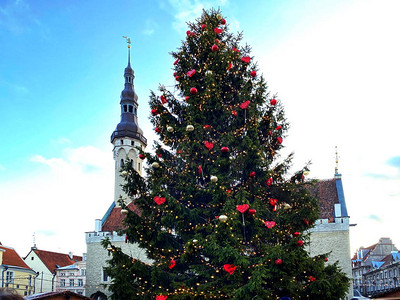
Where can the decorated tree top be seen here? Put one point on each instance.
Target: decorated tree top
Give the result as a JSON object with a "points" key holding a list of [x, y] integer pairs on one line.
{"points": [[219, 215]]}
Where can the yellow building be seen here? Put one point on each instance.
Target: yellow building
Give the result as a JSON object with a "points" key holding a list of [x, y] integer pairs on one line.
{"points": [[14, 272]]}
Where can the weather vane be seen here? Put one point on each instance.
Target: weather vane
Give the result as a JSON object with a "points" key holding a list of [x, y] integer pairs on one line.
{"points": [[128, 40]]}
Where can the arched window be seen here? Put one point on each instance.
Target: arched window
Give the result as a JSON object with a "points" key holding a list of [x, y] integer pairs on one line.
{"points": [[122, 162], [130, 108], [132, 163], [125, 108]]}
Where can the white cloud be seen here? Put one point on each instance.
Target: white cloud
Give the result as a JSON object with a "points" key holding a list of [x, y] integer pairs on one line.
{"points": [[65, 197]]}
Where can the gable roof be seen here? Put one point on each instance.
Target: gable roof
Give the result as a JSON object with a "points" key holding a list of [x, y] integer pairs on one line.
{"points": [[54, 260], [113, 219], [11, 258]]}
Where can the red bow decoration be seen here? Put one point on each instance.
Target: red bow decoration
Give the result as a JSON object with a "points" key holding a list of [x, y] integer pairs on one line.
{"points": [[191, 73], [158, 130], [154, 112], [234, 113], [235, 50], [163, 99], [159, 200], [217, 30], [161, 297], [273, 201], [203, 26], [252, 174], [269, 224], [278, 127], [312, 278], [242, 208], [228, 192], [279, 139], [229, 268], [269, 181], [209, 145], [206, 126], [245, 104], [246, 59], [172, 264]]}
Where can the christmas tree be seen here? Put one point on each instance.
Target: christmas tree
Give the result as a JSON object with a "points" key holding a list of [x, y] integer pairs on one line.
{"points": [[219, 215]]}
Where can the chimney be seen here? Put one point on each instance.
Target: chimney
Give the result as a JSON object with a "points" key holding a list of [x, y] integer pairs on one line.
{"points": [[97, 225]]}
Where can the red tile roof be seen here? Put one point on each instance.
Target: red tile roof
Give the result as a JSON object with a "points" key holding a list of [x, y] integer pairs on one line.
{"points": [[11, 258], [114, 221], [53, 260], [325, 191]]}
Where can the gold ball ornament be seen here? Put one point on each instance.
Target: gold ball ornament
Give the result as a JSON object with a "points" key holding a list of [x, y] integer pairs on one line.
{"points": [[189, 128], [213, 178], [124, 211], [124, 173], [195, 241], [223, 218], [170, 129], [306, 173], [219, 16], [155, 165]]}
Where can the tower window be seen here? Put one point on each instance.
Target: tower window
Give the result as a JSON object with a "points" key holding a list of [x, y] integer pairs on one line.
{"points": [[122, 162], [122, 142], [130, 108], [135, 110], [125, 108], [132, 143]]}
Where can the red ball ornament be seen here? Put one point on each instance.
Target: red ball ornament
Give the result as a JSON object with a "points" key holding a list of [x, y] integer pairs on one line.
{"points": [[306, 222], [269, 181], [207, 126], [223, 21], [278, 261], [203, 26], [186, 98], [253, 73], [300, 243], [279, 139], [312, 278], [252, 174], [234, 113], [217, 30], [278, 127], [158, 130], [296, 234], [163, 99], [161, 297], [177, 78], [224, 149], [154, 112], [246, 59], [193, 91], [235, 50], [252, 211], [214, 48], [273, 101], [228, 192], [188, 33], [142, 156], [325, 259]]}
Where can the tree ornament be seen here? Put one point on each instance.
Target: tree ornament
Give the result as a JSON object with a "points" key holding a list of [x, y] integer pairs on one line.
{"points": [[223, 21], [203, 26], [253, 74], [142, 156], [245, 104], [270, 224], [172, 264], [158, 130], [223, 218], [278, 127], [159, 200], [229, 268], [161, 297], [155, 165], [300, 243], [242, 208], [325, 259], [124, 173], [229, 66], [234, 113], [207, 126], [252, 211], [213, 178], [175, 62], [273, 201], [159, 155], [228, 192], [235, 50], [306, 222], [209, 145], [217, 30], [193, 91], [189, 33], [124, 211], [208, 72], [200, 169], [246, 59], [194, 241], [217, 41], [186, 98], [189, 128], [296, 234], [272, 102], [312, 278], [279, 139], [191, 73], [219, 16], [224, 149], [154, 112], [177, 78], [278, 261], [214, 48], [269, 181], [170, 128], [163, 99], [252, 174]]}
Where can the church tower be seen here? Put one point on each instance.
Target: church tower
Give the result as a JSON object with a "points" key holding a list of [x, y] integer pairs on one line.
{"points": [[127, 136]]}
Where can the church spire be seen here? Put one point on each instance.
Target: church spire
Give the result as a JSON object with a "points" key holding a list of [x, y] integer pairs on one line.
{"points": [[127, 135], [337, 174]]}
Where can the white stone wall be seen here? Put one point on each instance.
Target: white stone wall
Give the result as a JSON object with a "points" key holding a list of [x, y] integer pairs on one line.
{"points": [[44, 282], [335, 238]]}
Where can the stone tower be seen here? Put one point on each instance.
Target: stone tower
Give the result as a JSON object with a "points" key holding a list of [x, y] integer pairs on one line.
{"points": [[127, 136]]}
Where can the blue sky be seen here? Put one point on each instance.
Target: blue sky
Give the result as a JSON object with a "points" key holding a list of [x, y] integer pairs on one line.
{"points": [[334, 65]]}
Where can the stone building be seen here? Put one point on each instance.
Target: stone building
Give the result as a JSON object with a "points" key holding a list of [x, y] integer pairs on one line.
{"points": [[331, 232], [376, 268], [125, 138]]}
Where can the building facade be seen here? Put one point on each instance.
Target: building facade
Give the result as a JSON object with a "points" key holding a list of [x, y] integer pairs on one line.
{"points": [[45, 263], [126, 138], [331, 233], [376, 268], [72, 278]]}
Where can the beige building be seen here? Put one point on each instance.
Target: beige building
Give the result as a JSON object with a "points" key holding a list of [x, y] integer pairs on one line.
{"points": [[331, 232], [72, 278]]}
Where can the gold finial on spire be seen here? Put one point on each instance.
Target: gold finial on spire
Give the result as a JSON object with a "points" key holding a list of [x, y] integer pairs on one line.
{"points": [[128, 41], [337, 162]]}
